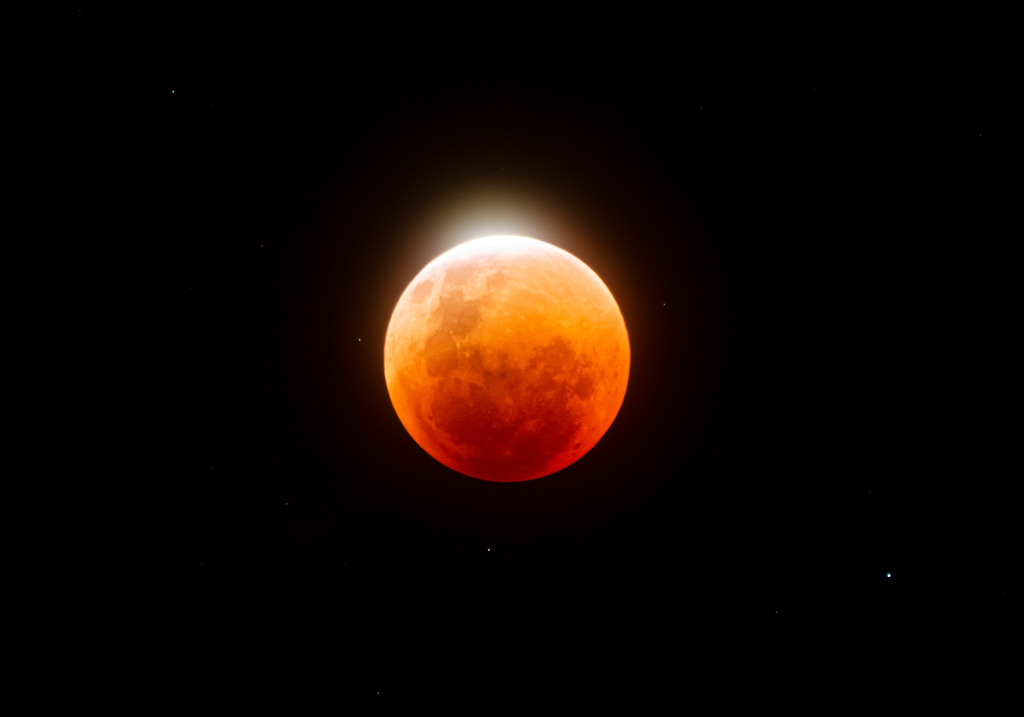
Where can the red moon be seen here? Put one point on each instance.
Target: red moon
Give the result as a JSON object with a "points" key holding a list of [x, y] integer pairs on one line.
{"points": [[506, 359]]}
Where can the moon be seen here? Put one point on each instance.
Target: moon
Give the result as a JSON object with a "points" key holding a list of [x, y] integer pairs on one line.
{"points": [[506, 358]]}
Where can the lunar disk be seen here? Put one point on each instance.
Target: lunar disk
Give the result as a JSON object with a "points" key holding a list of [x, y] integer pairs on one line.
{"points": [[506, 358]]}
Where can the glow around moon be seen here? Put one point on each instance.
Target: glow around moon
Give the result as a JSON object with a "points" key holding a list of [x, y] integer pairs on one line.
{"points": [[506, 358]]}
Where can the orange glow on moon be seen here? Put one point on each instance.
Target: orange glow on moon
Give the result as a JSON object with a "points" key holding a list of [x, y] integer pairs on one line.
{"points": [[506, 358]]}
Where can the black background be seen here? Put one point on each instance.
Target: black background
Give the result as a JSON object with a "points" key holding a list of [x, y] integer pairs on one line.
{"points": [[803, 498]]}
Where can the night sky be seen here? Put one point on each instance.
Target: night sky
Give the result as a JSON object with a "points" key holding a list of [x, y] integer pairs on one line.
{"points": [[804, 498]]}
